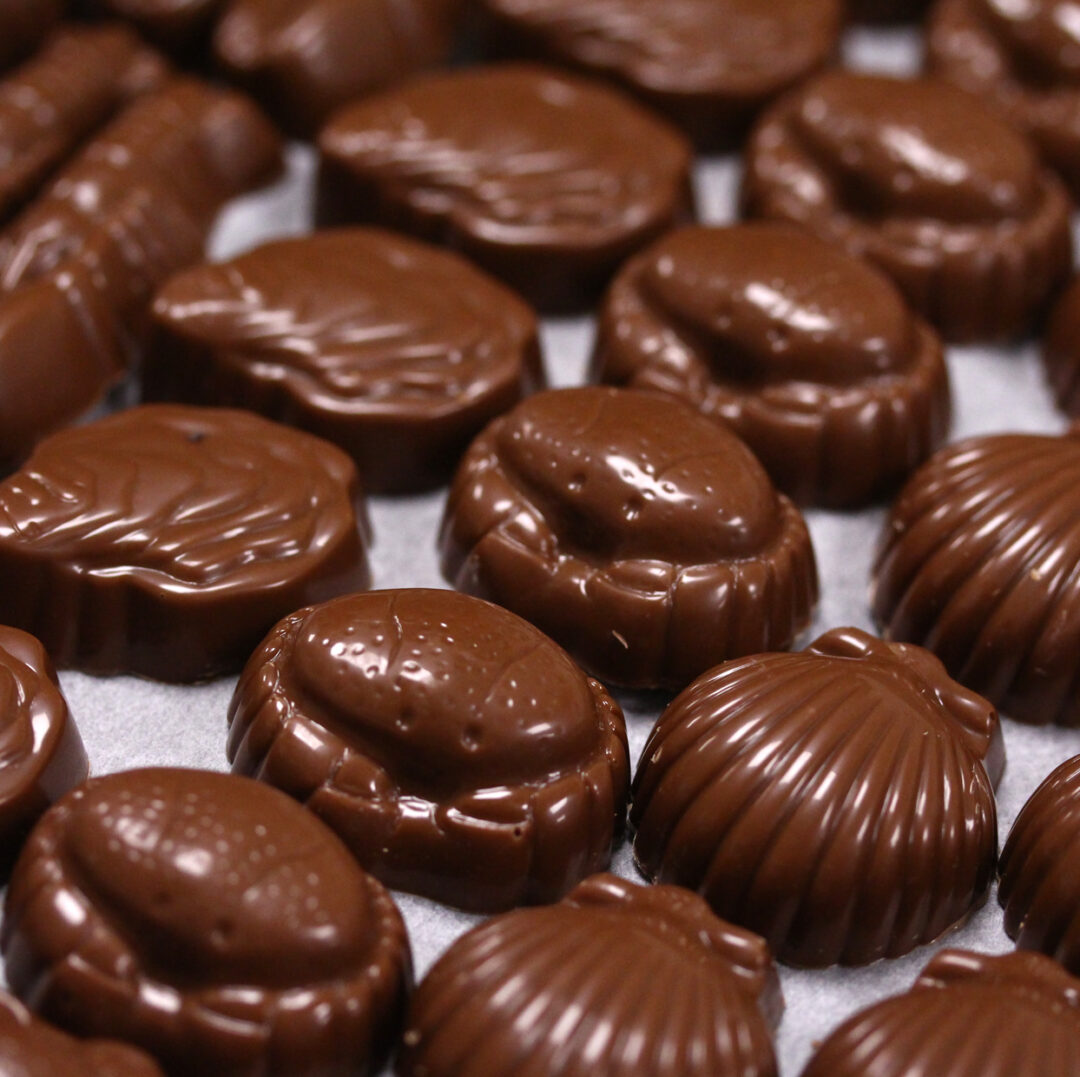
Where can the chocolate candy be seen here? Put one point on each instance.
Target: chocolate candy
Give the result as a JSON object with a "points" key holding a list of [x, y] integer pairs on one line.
{"points": [[1061, 350], [645, 538], [79, 265], [211, 921], [838, 801], [458, 752], [1040, 869], [545, 180], [810, 355], [180, 26], [33, 1048], [925, 182], [617, 979], [979, 562], [41, 752], [166, 540], [396, 351], [1024, 59], [23, 24], [886, 10], [968, 1015], [709, 66], [305, 59]]}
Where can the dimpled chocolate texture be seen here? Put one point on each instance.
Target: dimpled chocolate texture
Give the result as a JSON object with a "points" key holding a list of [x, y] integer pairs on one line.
{"points": [[41, 753], [617, 980], [968, 1015], [810, 355], [709, 66], [209, 920], [645, 538], [33, 1048], [927, 183], [167, 540], [980, 561], [458, 752], [838, 801], [396, 351], [548, 181]]}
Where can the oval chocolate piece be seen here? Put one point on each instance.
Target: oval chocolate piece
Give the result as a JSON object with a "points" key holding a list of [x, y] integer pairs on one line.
{"points": [[456, 750], [979, 562], [838, 801], [925, 182], [396, 351], [811, 356], [546, 180], [166, 540], [643, 537], [968, 1015], [616, 979], [211, 921]]}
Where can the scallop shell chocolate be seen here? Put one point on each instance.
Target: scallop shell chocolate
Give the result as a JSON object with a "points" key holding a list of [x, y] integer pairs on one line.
{"points": [[838, 801], [980, 562], [617, 979]]}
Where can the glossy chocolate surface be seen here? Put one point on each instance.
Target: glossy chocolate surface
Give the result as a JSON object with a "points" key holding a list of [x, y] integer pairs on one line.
{"points": [[653, 981], [1061, 350], [838, 801], [546, 180], [305, 59], [811, 356], [396, 351], [709, 66], [211, 921], [456, 750], [23, 25], [167, 540], [968, 1015], [645, 538], [925, 182], [979, 562]]}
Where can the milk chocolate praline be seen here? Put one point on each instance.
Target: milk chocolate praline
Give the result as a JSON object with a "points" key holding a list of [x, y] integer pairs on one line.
{"points": [[708, 65], [968, 1015], [927, 183], [645, 538], [209, 920], [654, 982], [546, 180], [1061, 350], [838, 801], [980, 561], [396, 351], [167, 540], [811, 356], [457, 751]]}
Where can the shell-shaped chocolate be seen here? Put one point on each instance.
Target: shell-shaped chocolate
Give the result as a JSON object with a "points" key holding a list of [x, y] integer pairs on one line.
{"points": [[210, 920], [457, 751], [968, 1015], [617, 979], [837, 801], [925, 182], [811, 356], [1040, 869], [642, 536], [168, 539], [980, 563]]}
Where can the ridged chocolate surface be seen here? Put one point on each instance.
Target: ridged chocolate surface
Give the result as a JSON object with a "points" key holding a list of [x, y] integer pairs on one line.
{"points": [[643, 537], [167, 540], [968, 1015], [810, 355], [837, 801], [547, 180], [396, 351], [23, 24], [979, 562], [616, 979], [209, 920], [457, 751], [925, 182]]}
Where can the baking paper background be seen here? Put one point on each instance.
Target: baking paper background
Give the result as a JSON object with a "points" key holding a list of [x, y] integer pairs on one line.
{"points": [[127, 722]]}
